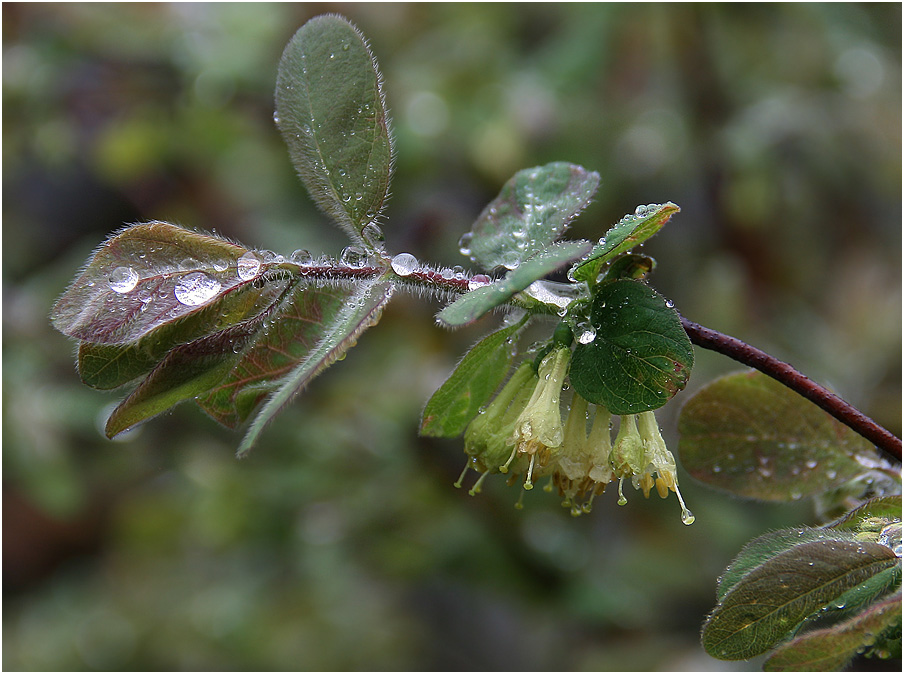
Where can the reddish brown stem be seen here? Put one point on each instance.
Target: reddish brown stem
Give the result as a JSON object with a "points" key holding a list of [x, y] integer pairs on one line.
{"points": [[838, 408]]}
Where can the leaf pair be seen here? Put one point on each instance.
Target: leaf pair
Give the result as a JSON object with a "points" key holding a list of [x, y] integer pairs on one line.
{"points": [[784, 579], [203, 318]]}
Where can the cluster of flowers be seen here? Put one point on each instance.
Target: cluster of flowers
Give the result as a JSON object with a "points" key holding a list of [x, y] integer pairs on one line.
{"points": [[521, 433]]}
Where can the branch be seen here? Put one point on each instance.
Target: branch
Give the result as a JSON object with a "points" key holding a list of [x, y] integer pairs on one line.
{"points": [[841, 410]]}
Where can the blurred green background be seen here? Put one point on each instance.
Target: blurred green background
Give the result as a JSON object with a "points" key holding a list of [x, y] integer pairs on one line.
{"points": [[341, 543]]}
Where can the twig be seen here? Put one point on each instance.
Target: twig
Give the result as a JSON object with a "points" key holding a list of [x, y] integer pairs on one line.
{"points": [[786, 374]]}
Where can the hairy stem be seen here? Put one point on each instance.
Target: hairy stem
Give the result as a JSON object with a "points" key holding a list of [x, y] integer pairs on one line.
{"points": [[838, 408]]}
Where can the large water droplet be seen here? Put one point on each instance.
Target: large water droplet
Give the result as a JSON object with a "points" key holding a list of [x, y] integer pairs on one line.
{"points": [[404, 264], [196, 289], [353, 256], [123, 279], [248, 266], [687, 517], [511, 260]]}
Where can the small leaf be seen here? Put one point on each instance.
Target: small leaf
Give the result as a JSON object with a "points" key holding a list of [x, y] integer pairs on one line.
{"points": [[331, 112], [754, 437], [533, 210], [888, 506], [155, 275], [640, 356], [471, 384], [831, 649], [635, 228], [474, 304], [771, 600], [359, 313], [297, 328]]}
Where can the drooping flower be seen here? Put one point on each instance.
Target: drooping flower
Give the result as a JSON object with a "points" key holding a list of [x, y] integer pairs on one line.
{"points": [[657, 459], [487, 436], [626, 457], [538, 429], [582, 464]]}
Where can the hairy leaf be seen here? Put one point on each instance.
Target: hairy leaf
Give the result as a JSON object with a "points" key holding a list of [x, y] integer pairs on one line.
{"points": [[296, 329], [161, 278], [767, 546], [640, 356], [754, 437], [471, 384], [888, 506], [361, 311], [771, 600], [533, 210], [474, 304], [635, 228], [331, 112], [831, 649]]}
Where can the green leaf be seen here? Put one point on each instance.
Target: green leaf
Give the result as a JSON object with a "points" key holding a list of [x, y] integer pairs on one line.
{"points": [[533, 210], [886, 507], [187, 371], [635, 228], [471, 384], [155, 276], [831, 649], [297, 328], [331, 112], [105, 366], [750, 435], [361, 311], [771, 600], [767, 546], [474, 304], [640, 356]]}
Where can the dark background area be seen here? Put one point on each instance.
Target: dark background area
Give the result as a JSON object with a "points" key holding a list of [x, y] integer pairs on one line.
{"points": [[341, 543]]}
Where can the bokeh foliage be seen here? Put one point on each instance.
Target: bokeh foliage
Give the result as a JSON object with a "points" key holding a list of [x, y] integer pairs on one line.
{"points": [[341, 544]]}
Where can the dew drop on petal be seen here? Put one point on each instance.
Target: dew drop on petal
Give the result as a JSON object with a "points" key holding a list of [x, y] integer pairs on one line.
{"points": [[404, 264], [248, 266], [196, 289], [123, 279]]}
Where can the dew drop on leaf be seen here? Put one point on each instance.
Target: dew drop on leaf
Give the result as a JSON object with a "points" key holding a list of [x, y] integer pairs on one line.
{"points": [[248, 266], [196, 289], [123, 279], [404, 264], [373, 235], [464, 244]]}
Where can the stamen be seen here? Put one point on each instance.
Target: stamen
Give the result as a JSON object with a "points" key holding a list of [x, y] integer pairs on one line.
{"points": [[505, 467], [476, 489], [686, 516], [520, 503], [622, 500], [463, 472], [530, 472]]}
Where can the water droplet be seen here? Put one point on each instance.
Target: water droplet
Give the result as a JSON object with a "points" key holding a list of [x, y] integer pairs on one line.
{"points": [[123, 279], [301, 256], [511, 260], [248, 266], [404, 264], [687, 517], [373, 235], [831, 474], [810, 463], [447, 273], [477, 281], [353, 256], [464, 244], [220, 265], [276, 118], [196, 288], [587, 335]]}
